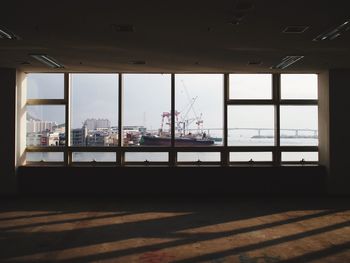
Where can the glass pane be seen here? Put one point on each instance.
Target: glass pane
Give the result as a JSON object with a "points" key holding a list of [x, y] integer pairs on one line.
{"points": [[147, 107], [299, 125], [299, 86], [298, 156], [94, 157], [94, 109], [247, 156], [44, 156], [251, 125], [198, 156], [250, 86], [45, 86], [199, 109], [146, 156], [45, 125]]}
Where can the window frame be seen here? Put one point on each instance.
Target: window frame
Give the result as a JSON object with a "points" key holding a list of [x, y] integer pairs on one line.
{"points": [[172, 150]]}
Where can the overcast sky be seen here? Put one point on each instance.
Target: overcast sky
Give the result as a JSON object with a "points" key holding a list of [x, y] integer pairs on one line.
{"points": [[147, 96]]}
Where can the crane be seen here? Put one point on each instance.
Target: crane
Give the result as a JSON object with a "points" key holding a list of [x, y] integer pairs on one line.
{"points": [[185, 121]]}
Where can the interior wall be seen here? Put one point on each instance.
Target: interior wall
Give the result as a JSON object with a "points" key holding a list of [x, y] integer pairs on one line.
{"points": [[339, 135], [323, 122], [7, 131]]}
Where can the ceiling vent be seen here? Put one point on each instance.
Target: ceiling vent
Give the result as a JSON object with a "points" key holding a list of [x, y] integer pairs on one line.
{"points": [[334, 33], [287, 61], [295, 29], [125, 28], [7, 34]]}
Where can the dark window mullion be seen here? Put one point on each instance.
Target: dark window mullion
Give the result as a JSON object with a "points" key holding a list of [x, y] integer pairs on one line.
{"points": [[173, 152], [67, 153], [120, 154], [276, 89]]}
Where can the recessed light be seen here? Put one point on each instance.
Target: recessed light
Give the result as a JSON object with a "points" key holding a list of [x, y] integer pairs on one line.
{"points": [[7, 34], [254, 63], [287, 61], [234, 22], [334, 33], [137, 62], [124, 28], [47, 60], [295, 29]]}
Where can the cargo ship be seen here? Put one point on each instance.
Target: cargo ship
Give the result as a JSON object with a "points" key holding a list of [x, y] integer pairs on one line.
{"points": [[183, 136]]}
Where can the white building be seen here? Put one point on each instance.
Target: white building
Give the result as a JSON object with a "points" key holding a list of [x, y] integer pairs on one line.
{"points": [[94, 124], [34, 126]]}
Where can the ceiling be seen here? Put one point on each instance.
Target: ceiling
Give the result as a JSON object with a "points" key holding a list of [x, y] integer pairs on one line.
{"points": [[173, 36]]}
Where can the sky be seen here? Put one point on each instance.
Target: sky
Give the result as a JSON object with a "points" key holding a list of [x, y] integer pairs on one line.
{"points": [[147, 96]]}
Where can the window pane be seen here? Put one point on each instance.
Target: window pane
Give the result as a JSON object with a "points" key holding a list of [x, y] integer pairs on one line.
{"points": [[146, 156], [247, 156], [299, 86], [45, 86], [298, 156], [199, 109], [299, 125], [94, 156], [198, 156], [250, 86], [45, 125], [44, 156], [251, 125], [147, 109], [94, 109]]}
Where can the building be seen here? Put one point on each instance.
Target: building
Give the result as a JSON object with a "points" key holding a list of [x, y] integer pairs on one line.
{"points": [[79, 136], [40, 126], [94, 124]]}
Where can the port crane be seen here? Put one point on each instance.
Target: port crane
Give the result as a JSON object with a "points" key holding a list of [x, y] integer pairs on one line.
{"points": [[185, 122], [182, 122]]}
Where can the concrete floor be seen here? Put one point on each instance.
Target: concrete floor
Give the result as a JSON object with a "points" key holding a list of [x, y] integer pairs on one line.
{"points": [[151, 231]]}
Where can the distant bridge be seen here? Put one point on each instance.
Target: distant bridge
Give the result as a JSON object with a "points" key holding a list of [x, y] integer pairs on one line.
{"points": [[296, 132]]}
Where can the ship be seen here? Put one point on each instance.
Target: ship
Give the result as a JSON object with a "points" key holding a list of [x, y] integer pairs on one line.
{"points": [[155, 140], [184, 135]]}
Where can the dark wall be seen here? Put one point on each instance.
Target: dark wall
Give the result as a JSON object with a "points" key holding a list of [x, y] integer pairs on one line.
{"points": [[7, 131], [178, 181], [339, 137]]}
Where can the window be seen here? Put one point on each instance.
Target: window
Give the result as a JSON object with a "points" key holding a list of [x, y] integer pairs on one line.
{"points": [[250, 86], [198, 157], [299, 86], [146, 110], [146, 157], [251, 125], [251, 157], [299, 156], [45, 125], [170, 119], [45, 86], [198, 109], [94, 157], [94, 110], [44, 157], [299, 125]]}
